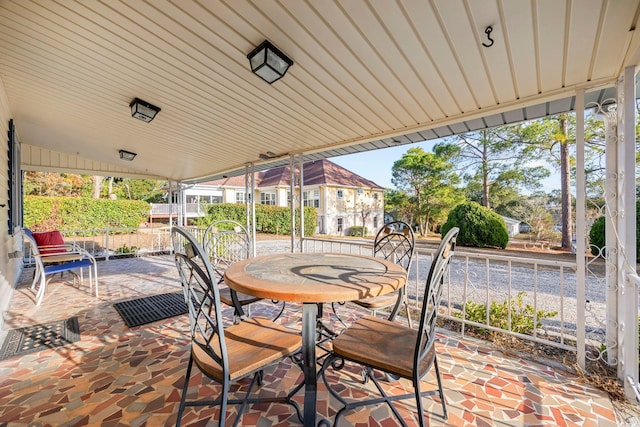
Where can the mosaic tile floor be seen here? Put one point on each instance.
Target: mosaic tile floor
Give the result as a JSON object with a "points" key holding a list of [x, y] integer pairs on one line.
{"points": [[116, 376]]}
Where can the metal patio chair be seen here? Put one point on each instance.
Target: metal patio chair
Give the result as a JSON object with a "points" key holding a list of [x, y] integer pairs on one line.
{"points": [[227, 242], [225, 354], [395, 349], [395, 242]]}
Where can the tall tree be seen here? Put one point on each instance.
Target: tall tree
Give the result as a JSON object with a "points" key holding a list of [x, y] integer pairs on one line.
{"points": [[551, 139], [97, 186], [430, 180], [493, 157], [399, 204], [565, 180]]}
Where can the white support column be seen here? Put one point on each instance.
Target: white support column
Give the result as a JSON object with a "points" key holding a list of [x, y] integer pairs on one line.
{"points": [[626, 233], [250, 204], [581, 237], [301, 176], [182, 207], [609, 114], [292, 202]]}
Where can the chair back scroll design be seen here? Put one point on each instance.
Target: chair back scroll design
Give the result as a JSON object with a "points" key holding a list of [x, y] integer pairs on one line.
{"points": [[225, 354], [395, 242], [226, 242], [367, 343]]}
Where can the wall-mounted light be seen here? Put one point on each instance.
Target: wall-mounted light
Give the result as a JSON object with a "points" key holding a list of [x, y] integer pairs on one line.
{"points": [[143, 110], [127, 155], [266, 156], [268, 62]]}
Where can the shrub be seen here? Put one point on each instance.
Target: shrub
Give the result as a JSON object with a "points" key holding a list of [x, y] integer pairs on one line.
{"points": [[597, 237], [479, 226], [269, 219], [521, 315], [78, 213], [358, 230]]}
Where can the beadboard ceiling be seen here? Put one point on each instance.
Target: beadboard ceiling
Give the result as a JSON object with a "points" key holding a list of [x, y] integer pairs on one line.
{"points": [[366, 75]]}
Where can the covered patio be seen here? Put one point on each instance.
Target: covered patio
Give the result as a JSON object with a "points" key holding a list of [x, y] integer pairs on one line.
{"points": [[366, 75], [115, 375]]}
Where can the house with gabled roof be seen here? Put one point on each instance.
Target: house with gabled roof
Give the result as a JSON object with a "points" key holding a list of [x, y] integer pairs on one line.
{"points": [[342, 198]]}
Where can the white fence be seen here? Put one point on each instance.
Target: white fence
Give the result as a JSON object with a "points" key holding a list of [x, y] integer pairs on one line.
{"points": [[522, 290]]}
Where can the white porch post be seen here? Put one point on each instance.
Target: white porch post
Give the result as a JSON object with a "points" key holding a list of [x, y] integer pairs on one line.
{"points": [[610, 118], [292, 203], [301, 176], [250, 204], [182, 206], [626, 233], [581, 238]]}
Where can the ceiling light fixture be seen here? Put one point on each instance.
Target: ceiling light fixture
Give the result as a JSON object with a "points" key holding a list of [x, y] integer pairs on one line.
{"points": [[127, 155], [143, 110], [266, 156], [268, 62]]}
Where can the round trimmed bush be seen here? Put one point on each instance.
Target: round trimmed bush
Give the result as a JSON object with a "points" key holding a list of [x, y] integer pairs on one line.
{"points": [[479, 226]]}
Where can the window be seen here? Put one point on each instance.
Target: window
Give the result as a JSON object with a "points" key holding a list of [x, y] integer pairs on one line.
{"points": [[375, 196], [240, 196], [339, 225], [311, 198], [340, 194], [268, 198], [360, 191], [375, 222], [15, 180]]}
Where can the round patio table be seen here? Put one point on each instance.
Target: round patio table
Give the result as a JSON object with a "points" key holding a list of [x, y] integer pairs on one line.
{"points": [[312, 279]]}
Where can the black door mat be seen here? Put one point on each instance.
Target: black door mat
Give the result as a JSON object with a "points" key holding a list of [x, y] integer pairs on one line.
{"points": [[140, 311], [40, 337]]}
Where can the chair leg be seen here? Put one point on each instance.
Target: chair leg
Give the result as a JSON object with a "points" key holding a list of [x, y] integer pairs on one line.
{"points": [[41, 289], [416, 386], [335, 312], [185, 389], [440, 390]]}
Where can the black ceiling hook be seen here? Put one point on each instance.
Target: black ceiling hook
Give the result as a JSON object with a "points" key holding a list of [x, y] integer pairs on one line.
{"points": [[488, 33]]}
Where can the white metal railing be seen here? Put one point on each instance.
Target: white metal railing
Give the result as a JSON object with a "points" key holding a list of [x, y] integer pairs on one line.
{"points": [[191, 209], [110, 242], [542, 286], [630, 354]]}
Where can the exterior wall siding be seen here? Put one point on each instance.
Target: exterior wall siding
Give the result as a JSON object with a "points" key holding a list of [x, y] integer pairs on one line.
{"points": [[10, 268]]}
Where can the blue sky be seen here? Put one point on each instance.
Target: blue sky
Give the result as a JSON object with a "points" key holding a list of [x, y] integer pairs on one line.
{"points": [[376, 165]]}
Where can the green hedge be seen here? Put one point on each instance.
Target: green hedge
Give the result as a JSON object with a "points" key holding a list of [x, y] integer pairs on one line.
{"points": [[78, 213], [269, 219], [479, 226]]}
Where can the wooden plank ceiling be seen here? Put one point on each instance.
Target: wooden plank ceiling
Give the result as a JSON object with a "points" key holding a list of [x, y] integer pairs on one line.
{"points": [[366, 74]]}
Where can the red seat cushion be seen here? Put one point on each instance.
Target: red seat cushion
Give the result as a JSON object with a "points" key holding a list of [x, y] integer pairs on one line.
{"points": [[49, 238]]}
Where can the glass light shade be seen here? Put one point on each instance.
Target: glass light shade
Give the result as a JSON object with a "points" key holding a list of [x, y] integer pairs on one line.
{"points": [[143, 110], [269, 62]]}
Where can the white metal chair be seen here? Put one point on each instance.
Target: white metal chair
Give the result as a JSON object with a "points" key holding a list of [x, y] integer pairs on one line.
{"points": [[60, 258]]}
